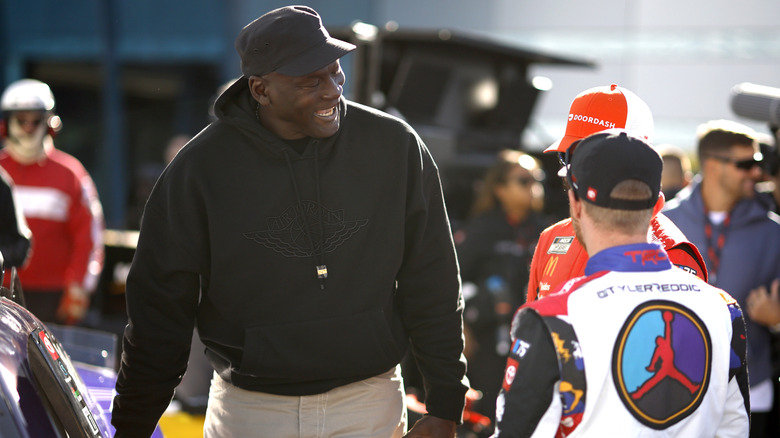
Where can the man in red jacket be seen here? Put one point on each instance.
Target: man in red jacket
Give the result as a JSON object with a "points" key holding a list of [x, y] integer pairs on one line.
{"points": [[60, 203], [559, 256]]}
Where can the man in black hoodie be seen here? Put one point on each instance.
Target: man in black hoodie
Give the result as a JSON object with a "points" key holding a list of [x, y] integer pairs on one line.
{"points": [[307, 239]]}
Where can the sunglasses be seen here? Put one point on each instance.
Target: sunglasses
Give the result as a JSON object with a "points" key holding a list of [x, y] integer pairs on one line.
{"points": [[32, 122], [747, 164], [564, 158], [524, 181]]}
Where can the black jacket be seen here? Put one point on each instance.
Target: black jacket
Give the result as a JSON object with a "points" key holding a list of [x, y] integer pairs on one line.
{"points": [[489, 247], [232, 235], [14, 233]]}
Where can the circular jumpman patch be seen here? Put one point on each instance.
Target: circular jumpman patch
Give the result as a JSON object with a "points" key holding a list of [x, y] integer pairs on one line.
{"points": [[661, 363]]}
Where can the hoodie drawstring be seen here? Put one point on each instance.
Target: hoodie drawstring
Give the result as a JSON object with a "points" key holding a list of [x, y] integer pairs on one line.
{"points": [[319, 257]]}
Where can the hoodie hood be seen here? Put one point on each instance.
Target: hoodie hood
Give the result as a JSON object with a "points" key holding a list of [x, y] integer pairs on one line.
{"points": [[236, 107]]}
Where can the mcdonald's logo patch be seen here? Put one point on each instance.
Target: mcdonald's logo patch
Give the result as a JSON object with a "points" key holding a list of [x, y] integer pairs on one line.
{"points": [[549, 268], [661, 363]]}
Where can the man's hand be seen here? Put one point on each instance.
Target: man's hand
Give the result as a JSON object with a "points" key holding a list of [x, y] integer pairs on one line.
{"points": [[432, 427], [764, 307], [73, 305]]}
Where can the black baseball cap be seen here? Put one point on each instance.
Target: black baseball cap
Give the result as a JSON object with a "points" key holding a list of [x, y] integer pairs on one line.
{"points": [[603, 160], [289, 40]]}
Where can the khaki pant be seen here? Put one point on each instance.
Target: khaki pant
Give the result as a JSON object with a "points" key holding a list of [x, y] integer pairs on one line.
{"points": [[370, 408]]}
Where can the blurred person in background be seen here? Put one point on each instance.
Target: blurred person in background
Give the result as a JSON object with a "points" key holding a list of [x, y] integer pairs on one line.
{"points": [[769, 188], [60, 203], [767, 299], [677, 169], [739, 239], [174, 145], [494, 252], [559, 255], [146, 176]]}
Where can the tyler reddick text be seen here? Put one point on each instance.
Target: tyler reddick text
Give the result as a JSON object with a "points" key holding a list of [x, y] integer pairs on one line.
{"points": [[650, 287]]}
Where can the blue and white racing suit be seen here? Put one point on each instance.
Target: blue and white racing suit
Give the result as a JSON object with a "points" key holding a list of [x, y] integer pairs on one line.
{"points": [[636, 347]]}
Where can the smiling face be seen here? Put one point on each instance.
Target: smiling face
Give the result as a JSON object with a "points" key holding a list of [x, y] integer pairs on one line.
{"points": [[295, 107]]}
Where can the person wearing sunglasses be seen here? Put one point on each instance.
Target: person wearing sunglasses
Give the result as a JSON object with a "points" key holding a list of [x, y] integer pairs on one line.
{"points": [[494, 249], [559, 256], [739, 239], [60, 204]]}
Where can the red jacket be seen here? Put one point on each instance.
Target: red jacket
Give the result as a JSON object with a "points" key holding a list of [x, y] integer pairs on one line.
{"points": [[61, 205], [559, 256]]}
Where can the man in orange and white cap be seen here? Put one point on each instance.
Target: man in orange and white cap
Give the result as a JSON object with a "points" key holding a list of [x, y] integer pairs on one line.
{"points": [[559, 256]]}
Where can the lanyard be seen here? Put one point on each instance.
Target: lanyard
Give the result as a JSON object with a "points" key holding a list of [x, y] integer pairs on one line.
{"points": [[714, 251]]}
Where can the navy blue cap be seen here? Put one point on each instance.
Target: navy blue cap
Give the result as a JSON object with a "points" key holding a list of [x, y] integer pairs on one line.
{"points": [[603, 160], [289, 40]]}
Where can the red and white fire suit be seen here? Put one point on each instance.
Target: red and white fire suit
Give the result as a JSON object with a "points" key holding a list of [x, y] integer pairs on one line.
{"points": [[559, 256]]}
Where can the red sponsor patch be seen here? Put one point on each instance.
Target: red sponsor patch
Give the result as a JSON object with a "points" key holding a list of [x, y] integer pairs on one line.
{"points": [[509, 374], [592, 193], [47, 343], [649, 255], [569, 423]]}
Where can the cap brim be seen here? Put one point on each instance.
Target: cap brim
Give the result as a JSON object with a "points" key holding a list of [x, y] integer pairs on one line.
{"points": [[562, 144], [317, 57]]}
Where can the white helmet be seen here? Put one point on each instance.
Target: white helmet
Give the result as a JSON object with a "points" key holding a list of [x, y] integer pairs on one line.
{"points": [[27, 95]]}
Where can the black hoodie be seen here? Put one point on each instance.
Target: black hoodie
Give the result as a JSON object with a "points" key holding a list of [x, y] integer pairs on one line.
{"points": [[232, 238]]}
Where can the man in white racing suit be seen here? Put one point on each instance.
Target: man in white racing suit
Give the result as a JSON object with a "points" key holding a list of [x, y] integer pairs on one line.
{"points": [[636, 347]]}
